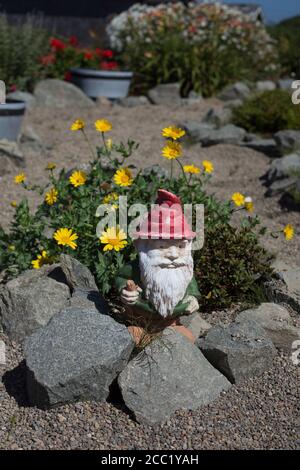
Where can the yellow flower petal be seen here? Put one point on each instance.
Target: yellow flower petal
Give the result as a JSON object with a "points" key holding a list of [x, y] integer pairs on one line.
{"points": [[238, 199], [51, 196], [66, 237], [77, 125], [289, 232], [78, 178], [172, 150], [113, 239], [21, 178], [173, 132], [191, 169], [102, 125], [123, 177], [208, 166]]}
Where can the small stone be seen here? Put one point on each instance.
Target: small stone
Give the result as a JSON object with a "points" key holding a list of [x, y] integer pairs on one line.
{"points": [[165, 94], [56, 93], [133, 101], [197, 131], [266, 146], [288, 141], [265, 85], [155, 170], [283, 167], [238, 91], [281, 186], [218, 117], [75, 357], [168, 375], [231, 104], [229, 134], [276, 322], [240, 350], [77, 275], [196, 324]]}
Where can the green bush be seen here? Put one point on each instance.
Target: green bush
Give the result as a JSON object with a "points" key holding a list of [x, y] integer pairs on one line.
{"points": [[268, 112], [287, 35], [229, 268], [21, 48], [204, 47]]}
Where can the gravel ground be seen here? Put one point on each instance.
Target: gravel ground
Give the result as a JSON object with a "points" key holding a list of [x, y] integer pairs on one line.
{"points": [[261, 413]]}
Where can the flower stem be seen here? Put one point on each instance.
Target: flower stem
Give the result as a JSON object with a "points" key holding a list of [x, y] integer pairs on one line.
{"points": [[89, 143], [181, 166]]}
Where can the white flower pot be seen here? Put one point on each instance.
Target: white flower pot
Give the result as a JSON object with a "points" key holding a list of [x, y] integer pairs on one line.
{"points": [[95, 83], [11, 116]]}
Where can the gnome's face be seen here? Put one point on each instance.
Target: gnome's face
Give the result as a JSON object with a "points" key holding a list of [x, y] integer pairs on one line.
{"points": [[166, 271]]}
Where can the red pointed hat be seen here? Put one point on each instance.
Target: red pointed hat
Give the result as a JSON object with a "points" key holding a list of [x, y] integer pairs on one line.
{"points": [[166, 220]]}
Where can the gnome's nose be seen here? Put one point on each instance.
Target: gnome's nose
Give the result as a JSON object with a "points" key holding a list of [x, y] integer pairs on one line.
{"points": [[172, 254]]}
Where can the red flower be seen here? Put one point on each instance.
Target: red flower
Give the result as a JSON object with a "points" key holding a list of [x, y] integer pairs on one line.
{"points": [[13, 88], [48, 59], [57, 44], [73, 41], [108, 65], [88, 55], [107, 54], [68, 76], [98, 52]]}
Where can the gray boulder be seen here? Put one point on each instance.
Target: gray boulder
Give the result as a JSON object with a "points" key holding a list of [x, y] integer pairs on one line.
{"points": [[229, 134], [31, 300], [28, 98], [133, 101], [285, 288], [265, 85], [168, 375], [288, 141], [238, 91], [197, 131], [239, 351], [218, 117], [77, 275], [165, 94], [266, 146], [55, 93], [192, 99], [281, 186], [11, 156], [283, 167], [75, 357], [196, 324], [276, 322]]}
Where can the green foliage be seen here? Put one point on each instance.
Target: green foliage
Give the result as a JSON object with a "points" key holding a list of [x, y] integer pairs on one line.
{"points": [[287, 35], [204, 47], [21, 47], [268, 112], [229, 266]]}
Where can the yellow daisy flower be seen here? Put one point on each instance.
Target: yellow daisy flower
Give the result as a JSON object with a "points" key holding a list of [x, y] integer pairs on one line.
{"points": [[289, 232], [102, 125], [78, 178], [109, 198], [172, 150], [42, 259], [173, 132], [123, 177], [11, 247], [13, 204], [51, 166], [238, 199], [208, 166], [51, 196], [77, 125], [65, 236], [249, 206], [20, 178], [191, 169], [113, 239]]}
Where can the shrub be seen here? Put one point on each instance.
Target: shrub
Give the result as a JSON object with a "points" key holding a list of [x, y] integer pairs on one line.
{"points": [[21, 47], [287, 35], [204, 47], [268, 112], [228, 267]]}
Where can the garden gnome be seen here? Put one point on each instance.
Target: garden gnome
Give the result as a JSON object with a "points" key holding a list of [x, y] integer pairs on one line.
{"points": [[160, 286]]}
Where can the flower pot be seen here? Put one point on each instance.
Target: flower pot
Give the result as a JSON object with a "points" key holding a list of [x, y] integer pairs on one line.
{"points": [[11, 116], [111, 84]]}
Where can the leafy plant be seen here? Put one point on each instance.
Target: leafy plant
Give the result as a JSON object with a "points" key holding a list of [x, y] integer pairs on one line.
{"points": [[228, 268], [21, 47], [287, 35], [204, 47], [268, 112]]}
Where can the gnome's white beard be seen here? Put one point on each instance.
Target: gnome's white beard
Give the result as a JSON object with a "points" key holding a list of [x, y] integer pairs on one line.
{"points": [[165, 287]]}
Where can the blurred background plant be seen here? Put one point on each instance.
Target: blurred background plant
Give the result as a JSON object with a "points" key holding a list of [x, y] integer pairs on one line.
{"points": [[204, 47], [21, 46], [287, 35], [268, 112]]}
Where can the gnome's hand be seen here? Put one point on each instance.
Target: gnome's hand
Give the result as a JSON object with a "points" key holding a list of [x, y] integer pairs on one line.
{"points": [[193, 305], [129, 297]]}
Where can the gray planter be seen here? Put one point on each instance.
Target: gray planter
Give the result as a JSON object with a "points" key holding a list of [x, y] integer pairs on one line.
{"points": [[11, 115], [95, 83]]}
